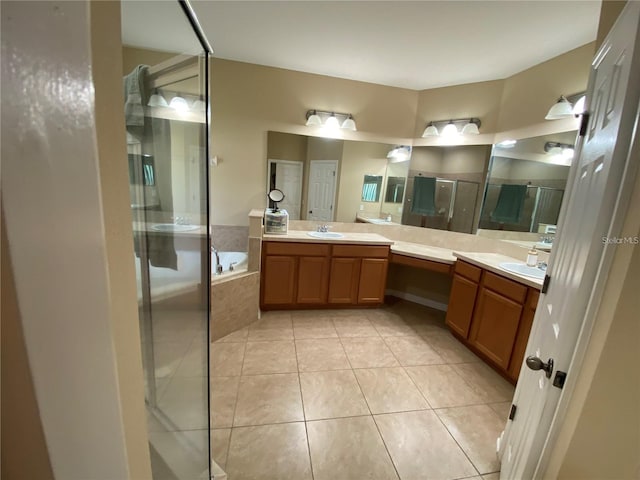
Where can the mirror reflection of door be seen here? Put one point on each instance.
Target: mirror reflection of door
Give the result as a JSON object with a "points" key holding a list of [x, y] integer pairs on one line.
{"points": [[286, 176], [322, 189]]}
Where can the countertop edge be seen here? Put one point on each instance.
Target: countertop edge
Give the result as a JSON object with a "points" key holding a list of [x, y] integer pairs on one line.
{"points": [[398, 249], [528, 281], [349, 238]]}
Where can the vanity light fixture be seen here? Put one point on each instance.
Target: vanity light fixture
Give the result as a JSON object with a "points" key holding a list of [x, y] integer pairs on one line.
{"points": [[566, 107], [313, 119], [333, 120], [450, 130], [430, 131], [349, 124], [561, 109], [446, 128]]}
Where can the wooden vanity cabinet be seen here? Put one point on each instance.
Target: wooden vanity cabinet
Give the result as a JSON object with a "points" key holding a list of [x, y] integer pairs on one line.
{"points": [[497, 317], [523, 333], [462, 300], [492, 315], [321, 274]]}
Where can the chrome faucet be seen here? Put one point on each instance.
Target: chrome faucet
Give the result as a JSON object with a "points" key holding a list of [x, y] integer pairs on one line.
{"points": [[218, 264], [322, 228]]}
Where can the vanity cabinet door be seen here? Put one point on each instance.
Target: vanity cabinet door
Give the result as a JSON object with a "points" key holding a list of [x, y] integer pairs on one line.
{"points": [[523, 334], [345, 276], [461, 303], [373, 279], [313, 280], [495, 326], [278, 280]]}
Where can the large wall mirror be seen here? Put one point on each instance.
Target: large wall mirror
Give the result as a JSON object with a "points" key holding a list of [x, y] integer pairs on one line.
{"points": [[525, 186], [346, 181]]}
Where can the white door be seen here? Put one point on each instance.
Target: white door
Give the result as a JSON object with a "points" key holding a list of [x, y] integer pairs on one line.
{"points": [[580, 260], [322, 190], [288, 179]]}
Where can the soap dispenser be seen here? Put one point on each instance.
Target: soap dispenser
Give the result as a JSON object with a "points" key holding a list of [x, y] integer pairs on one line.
{"points": [[532, 257]]}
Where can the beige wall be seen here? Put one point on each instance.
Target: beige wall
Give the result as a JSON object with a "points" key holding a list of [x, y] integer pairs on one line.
{"points": [[481, 100], [114, 179], [24, 451], [609, 11], [527, 96], [284, 146], [249, 100]]}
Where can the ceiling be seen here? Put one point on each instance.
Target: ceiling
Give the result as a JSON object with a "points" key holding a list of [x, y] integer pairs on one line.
{"points": [[414, 44]]}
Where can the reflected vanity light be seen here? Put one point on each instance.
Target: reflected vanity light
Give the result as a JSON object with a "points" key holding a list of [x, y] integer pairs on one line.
{"points": [[561, 153], [507, 143], [399, 154], [450, 128], [179, 104], [330, 120], [157, 100]]}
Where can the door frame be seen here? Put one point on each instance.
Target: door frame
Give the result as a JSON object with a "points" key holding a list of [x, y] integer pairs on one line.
{"points": [[272, 161], [335, 186]]}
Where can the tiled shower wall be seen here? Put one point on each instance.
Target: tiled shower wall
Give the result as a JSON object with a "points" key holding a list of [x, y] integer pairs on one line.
{"points": [[230, 238]]}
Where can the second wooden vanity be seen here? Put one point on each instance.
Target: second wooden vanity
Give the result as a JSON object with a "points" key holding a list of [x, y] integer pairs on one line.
{"points": [[492, 315], [322, 275]]}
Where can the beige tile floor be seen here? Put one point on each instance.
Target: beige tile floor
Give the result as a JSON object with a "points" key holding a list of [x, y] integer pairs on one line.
{"points": [[352, 394]]}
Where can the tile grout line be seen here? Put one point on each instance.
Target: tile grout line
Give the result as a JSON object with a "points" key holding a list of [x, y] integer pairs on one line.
{"points": [[304, 412]]}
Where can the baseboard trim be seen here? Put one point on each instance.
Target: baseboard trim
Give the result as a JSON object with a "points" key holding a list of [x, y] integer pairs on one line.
{"points": [[427, 302]]}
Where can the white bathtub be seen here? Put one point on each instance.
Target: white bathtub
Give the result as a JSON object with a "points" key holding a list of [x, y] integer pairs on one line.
{"points": [[166, 282], [240, 260]]}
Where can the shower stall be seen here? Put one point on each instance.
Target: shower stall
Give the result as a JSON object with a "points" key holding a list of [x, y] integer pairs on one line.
{"points": [[167, 121]]}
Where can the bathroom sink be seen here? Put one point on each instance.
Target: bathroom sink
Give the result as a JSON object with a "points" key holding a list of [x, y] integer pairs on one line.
{"points": [[522, 269], [173, 227], [325, 234]]}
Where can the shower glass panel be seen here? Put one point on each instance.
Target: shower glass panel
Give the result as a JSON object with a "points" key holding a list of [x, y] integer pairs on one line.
{"points": [[464, 206], [444, 196], [166, 98]]}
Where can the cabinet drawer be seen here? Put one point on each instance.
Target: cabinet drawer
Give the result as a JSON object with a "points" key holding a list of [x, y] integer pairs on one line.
{"points": [[510, 289], [292, 248], [420, 263], [381, 251], [467, 270]]}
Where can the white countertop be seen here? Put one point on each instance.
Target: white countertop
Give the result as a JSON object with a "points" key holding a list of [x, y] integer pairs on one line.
{"points": [[492, 261], [375, 220], [348, 238], [426, 252]]}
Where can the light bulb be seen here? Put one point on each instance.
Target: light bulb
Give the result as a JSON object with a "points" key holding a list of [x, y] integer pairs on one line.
{"points": [[470, 129], [561, 109], [332, 122], [313, 120], [430, 131], [349, 124], [450, 130]]}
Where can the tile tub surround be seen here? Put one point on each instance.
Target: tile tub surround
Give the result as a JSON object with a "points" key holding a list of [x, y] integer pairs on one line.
{"points": [[349, 394], [234, 303], [230, 238]]}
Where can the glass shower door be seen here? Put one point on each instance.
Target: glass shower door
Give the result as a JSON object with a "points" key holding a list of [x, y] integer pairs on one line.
{"points": [[166, 99]]}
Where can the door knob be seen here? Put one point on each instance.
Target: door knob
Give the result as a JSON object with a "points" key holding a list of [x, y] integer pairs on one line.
{"points": [[535, 363]]}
